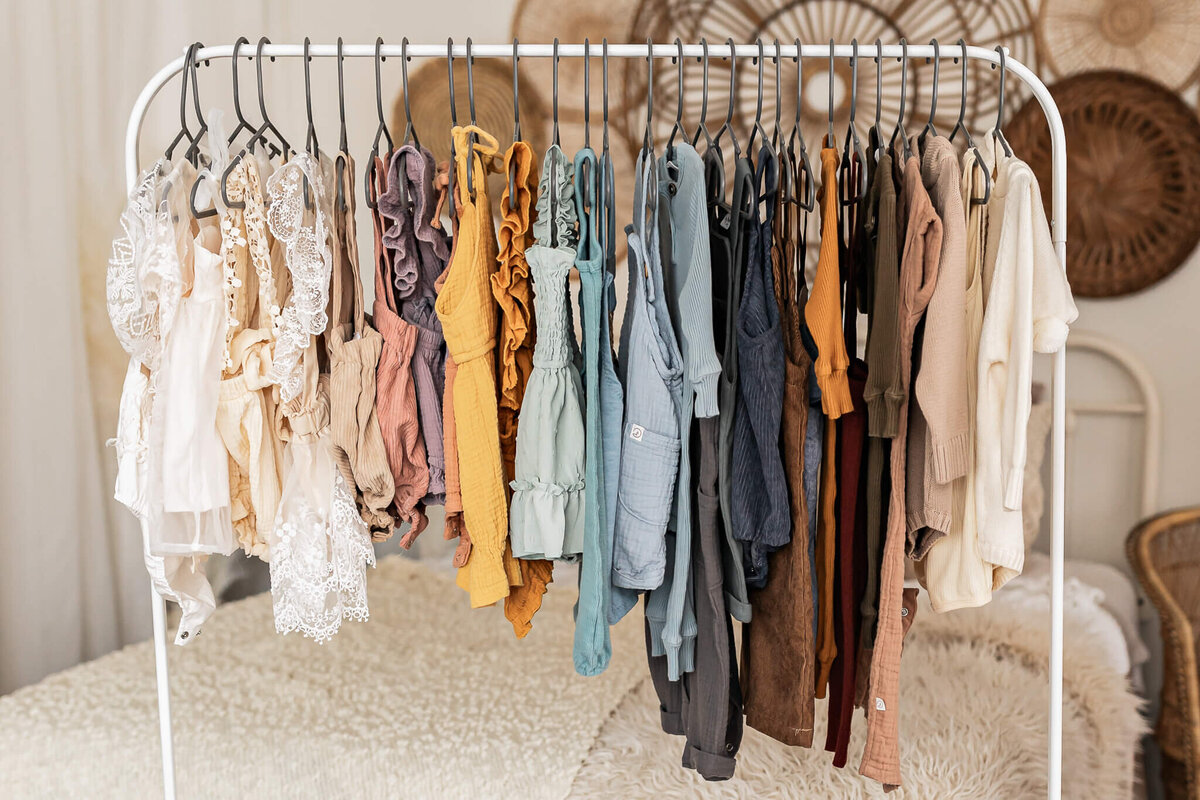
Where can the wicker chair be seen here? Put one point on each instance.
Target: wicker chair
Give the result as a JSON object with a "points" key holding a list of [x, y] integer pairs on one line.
{"points": [[1165, 553]]}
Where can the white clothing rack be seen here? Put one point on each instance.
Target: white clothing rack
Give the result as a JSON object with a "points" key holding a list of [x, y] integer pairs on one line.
{"points": [[1058, 231]]}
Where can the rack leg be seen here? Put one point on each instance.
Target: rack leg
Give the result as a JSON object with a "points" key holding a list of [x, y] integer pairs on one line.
{"points": [[1057, 521], [159, 616]]}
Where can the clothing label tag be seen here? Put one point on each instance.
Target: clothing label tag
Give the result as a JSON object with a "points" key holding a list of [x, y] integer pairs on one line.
{"points": [[636, 432], [880, 705]]}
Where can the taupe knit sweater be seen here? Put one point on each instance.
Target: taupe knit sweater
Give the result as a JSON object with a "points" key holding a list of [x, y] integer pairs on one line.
{"points": [[938, 427]]}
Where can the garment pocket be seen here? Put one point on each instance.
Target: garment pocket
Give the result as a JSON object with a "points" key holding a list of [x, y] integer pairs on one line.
{"points": [[649, 467]]}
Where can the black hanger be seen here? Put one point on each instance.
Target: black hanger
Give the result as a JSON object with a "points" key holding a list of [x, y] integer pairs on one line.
{"points": [[192, 153], [757, 128], [777, 134], [259, 134], [800, 156], [243, 123], [410, 131], [343, 144], [728, 124], [830, 139], [453, 124], [648, 135], [899, 130], [852, 137], [875, 135], [960, 125], [516, 137], [471, 108], [929, 128], [702, 128], [554, 60], [184, 131], [197, 213], [310, 137], [604, 44], [284, 147], [381, 129], [677, 128], [998, 132], [587, 94]]}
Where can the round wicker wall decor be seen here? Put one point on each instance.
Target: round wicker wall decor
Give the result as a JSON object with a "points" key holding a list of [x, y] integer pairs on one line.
{"points": [[1133, 172]]}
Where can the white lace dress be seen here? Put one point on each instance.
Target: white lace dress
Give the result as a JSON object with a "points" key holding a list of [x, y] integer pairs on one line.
{"points": [[145, 287], [320, 547]]}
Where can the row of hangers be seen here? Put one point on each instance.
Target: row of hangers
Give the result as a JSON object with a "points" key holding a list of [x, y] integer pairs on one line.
{"points": [[267, 135]]}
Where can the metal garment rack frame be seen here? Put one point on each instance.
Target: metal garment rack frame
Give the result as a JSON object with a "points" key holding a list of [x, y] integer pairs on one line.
{"points": [[1058, 229]]}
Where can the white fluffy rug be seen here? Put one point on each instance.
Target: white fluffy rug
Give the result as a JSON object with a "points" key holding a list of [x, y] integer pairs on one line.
{"points": [[426, 700], [431, 700], [973, 727]]}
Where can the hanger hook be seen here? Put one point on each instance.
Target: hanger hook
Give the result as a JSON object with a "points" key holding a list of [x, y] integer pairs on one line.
{"points": [[470, 82], [647, 137], [799, 85], [343, 145], [933, 97], [516, 95], [998, 134], [677, 128], [878, 81], [383, 128], [310, 141], [554, 59], [853, 80], [410, 130], [778, 58], [759, 103], [702, 127], [604, 62], [831, 139], [728, 124], [262, 107], [184, 75], [587, 93], [962, 100], [450, 80]]}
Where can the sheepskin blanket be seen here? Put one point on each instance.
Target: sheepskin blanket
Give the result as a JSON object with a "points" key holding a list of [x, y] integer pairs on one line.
{"points": [[426, 700], [432, 700], [974, 699]]}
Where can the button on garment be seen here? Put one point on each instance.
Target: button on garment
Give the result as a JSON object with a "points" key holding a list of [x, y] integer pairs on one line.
{"points": [[514, 354], [420, 252], [548, 498], [354, 346], [761, 519], [396, 403], [468, 314]]}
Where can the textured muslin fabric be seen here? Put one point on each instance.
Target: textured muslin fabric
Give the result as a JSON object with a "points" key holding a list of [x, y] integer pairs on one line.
{"points": [[469, 321], [778, 657], [420, 251], [548, 486], [354, 346], [918, 277], [823, 312], [761, 518], [514, 354], [727, 229], [593, 646], [396, 396]]}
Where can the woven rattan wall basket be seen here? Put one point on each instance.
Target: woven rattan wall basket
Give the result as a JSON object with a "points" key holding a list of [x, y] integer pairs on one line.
{"points": [[1133, 168]]}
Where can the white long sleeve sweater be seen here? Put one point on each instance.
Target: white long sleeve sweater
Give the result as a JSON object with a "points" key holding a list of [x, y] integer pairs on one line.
{"points": [[1027, 308]]}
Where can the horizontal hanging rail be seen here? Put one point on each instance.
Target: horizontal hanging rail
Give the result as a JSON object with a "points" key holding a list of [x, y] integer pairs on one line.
{"points": [[1058, 216]]}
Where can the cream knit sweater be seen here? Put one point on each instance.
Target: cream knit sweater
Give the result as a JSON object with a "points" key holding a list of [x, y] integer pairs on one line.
{"points": [[1027, 308]]}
